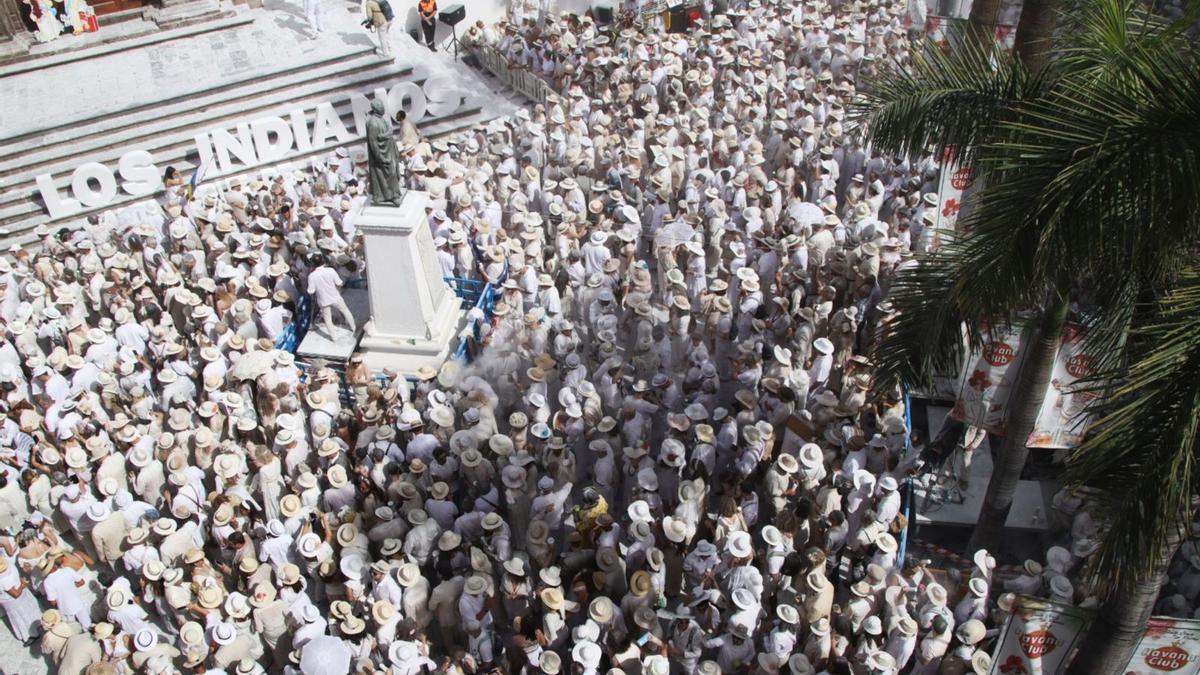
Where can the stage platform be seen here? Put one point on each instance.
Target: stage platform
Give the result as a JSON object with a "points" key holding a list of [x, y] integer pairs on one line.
{"points": [[318, 345], [1030, 504]]}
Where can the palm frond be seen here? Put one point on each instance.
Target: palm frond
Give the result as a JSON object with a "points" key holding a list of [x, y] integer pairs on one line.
{"points": [[1122, 163], [926, 337], [973, 280], [1140, 455], [941, 99]]}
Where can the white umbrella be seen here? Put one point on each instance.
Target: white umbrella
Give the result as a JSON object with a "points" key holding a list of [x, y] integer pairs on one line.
{"points": [[325, 655], [673, 234], [251, 366], [808, 213]]}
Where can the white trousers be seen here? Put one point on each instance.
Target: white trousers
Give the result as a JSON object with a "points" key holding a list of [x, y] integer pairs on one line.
{"points": [[385, 40], [312, 12], [327, 315]]}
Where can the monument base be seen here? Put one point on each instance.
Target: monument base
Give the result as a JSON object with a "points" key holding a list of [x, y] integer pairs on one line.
{"points": [[415, 314], [406, 354]]}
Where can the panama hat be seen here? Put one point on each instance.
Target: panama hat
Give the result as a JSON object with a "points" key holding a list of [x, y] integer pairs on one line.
{"points": [[552, 598], [601, 610], [881, 661], [788, 614], [787, 463], [475, 585], [263, 595], [971, 632]]}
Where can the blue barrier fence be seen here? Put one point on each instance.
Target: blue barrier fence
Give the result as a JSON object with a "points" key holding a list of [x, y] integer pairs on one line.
{"points": [[908, 482], [294, 333], [475, 294]]}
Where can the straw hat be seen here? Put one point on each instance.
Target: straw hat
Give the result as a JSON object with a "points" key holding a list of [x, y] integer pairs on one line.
{"points": [[210, 597], [552, 598], [382, 611]]}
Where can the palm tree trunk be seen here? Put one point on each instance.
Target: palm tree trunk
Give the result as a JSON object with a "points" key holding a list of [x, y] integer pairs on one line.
{"points": [[983, 20], [1024, 404], [1119, 625], [1034, 29]]}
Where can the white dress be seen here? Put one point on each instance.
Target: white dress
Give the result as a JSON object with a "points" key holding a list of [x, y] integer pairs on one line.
{"points": [[22, 611], [270, 483]]}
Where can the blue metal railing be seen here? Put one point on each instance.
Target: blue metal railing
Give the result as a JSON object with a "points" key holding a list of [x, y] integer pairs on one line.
{"points": [[294, 333], [908, 482], [479, 295], [470, 290]]}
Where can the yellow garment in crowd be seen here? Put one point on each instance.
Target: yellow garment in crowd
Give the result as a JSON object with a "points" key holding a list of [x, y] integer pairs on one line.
{"points": [[585, 519]]}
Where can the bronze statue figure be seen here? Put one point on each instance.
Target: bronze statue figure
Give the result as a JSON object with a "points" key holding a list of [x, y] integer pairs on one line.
{"points": [[383, 159]]}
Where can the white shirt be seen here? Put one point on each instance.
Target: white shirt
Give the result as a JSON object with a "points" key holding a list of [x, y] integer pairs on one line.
{"points": [[60, 587], [324, 283]]}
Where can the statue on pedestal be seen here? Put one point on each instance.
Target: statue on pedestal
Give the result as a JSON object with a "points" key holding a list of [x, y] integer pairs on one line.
{"points": [[383, 159]]}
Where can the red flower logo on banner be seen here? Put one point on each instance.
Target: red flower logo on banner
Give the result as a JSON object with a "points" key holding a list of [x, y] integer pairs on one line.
{"points": [[1014, 665], [962, 178], [1038, 643], [951, 207], [979, 380], [998, 353], [1168, 658]]}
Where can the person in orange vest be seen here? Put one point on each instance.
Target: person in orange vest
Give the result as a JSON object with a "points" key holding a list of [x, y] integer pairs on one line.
{"points": [[428, 10]]}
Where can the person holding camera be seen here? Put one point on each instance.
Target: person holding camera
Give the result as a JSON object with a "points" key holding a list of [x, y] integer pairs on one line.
{"points": [[379, 18]]}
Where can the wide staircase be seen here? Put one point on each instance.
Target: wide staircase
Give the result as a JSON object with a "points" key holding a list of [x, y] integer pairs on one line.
{"points": [[168, 128]]}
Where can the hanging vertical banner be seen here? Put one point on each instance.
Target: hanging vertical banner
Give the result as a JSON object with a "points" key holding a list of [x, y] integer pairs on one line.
{"points": [[989, 375], [1168, 646], [1038, 637], [954, 180], [938, 30], [1061, 423]]}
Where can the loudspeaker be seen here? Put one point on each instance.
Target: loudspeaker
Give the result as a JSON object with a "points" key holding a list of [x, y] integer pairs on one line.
{"points": [[452, 14], [603, 14]]}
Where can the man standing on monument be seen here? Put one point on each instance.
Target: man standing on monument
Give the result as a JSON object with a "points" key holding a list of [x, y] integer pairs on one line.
{"points": [[383, 159], [325, 286]]}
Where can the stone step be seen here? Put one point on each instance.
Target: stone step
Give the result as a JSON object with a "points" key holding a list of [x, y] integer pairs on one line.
{"points": [[152, 35], [181, 133], [19, 232], [187, 13], [127, 129], [250, 86], [117, 18]]}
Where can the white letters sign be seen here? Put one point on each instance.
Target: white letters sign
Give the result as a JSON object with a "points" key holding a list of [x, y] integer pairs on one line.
{"points": [[245, 145]]}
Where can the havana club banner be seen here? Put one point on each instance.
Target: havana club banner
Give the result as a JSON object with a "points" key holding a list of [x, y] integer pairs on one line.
{"points": [[954, 180], [1061, 423], [1169, 646], [1039, 637], [938, 29], [987, 378]]}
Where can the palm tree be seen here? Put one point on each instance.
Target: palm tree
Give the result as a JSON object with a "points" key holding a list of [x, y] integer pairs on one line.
{"points": [[1089, 168], [1034, 29], [983, 19], [1144, 443]]}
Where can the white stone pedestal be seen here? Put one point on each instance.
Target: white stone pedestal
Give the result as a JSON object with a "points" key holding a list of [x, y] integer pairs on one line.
{"points": [[414, 313]]}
